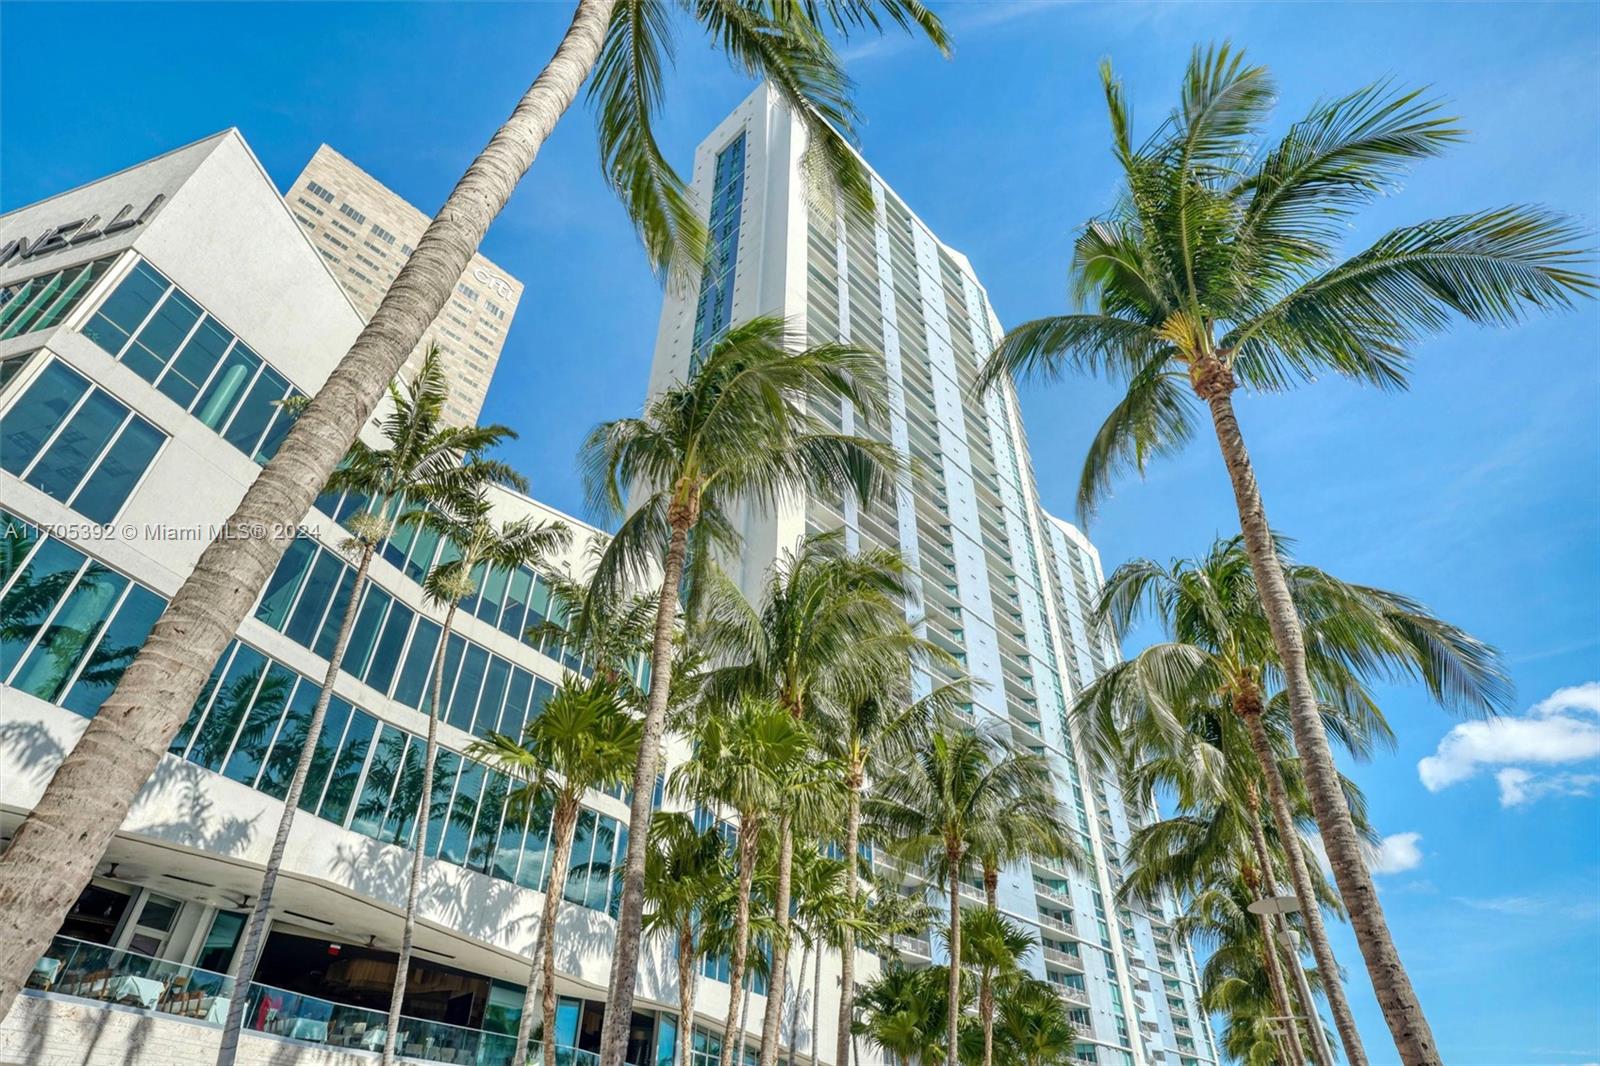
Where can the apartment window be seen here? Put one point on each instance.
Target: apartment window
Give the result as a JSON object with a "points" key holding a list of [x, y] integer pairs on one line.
{"points": [[360, 275], [406, 249], [160, 333], [374, 249], [382, 234], [494, 309], [346, 209], [342, 228], [308, 205], [72, 624], [466, 290], [715, 307], [77, 443], [336, 242], [41, 302], [303, 220], [319, 192]]}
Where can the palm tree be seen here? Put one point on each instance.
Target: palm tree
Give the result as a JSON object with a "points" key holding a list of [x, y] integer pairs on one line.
{"points": [[739, 430], [906, 1012], [824, 911], [745, 757], [994, 945], [585, 738], [930, 811], [829, 628], [1218, 266], [610, 630], [420, 463], [687, 889], [1222, 646], [625, 45], [480, 541], [1033, 1027]]}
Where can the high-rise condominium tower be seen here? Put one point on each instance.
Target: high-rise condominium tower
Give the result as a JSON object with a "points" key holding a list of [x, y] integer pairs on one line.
{"points": [[989, 562], [366, 232]]}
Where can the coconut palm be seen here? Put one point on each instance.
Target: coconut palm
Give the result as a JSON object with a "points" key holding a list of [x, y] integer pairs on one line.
{"points": [[745, 758], [829, 628], [993, 945], [626, 46], [1219, 267], [739, 430], [585, 738], [1033, 1027], [687, 888], [419, 463], [885, 724], [1222, 647], [610, 630], [906, 1012], [929, 812], [480, 541]]}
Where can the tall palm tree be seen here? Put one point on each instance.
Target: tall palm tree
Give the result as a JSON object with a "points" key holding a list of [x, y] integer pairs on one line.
{"points": [[830, 626], [739, 430], [929, 811], [687, 888], [626, 46], [884, 725], [1219, 266], [481, 541], [1222, 646], [907, 1012], [420, 462], [745, 757], [585, 738], [993, 945], [611, 630]]}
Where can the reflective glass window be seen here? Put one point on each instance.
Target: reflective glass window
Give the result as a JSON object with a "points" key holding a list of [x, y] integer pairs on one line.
{"points": [[466, 693], [227, 387], [41, 585], [285, 582], [73, 628], [345, 773], [117, 646], [157, 342], [124, 463], [127, 306], [40, 411]]}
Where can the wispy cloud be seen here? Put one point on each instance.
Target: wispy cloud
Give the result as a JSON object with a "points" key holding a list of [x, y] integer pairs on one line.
{"points": [[1396, 853], [1563, 728]]}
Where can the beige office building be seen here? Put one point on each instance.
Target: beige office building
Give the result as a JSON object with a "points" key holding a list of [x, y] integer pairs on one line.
{"points": [[366, 232]]}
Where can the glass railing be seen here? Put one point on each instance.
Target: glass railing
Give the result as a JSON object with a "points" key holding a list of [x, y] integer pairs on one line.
{"points": [[94, 971]]}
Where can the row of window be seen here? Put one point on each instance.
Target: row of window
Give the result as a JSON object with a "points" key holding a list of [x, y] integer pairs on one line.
{"points": [[74, 442], [714, 310], [321, 193], [162, 334], [40, 302], [73, 624]]}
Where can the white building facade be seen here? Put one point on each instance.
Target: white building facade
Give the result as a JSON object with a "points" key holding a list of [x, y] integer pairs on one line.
{"points": [[971, 528], [151, 324]]}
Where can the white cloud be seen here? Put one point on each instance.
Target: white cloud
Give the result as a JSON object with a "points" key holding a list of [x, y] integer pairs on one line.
{"points": [[1519, 786], [1562, 728], [1393, 854]]}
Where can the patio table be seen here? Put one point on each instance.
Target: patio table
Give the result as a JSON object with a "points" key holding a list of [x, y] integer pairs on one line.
{"points": [[144, 991], [45, 972], [303, 1029], [215, 1009]]}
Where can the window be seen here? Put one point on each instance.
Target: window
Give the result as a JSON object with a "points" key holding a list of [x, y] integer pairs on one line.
{"points": [[309, 206], [382, 234], [77, 443], [346, 209], [319, 192], [467, 290], [168, 339], [494, 309], [41, 302], [336, 242], [72, 624], [406, 249]]}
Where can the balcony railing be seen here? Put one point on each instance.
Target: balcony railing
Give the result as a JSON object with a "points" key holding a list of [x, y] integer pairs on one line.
{"points": [[1063, 958], [1073, 995], [93, 971], [911, 945]]}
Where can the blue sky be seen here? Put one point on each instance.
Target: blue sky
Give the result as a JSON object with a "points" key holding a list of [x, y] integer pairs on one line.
{"points": [[1478, 491]]}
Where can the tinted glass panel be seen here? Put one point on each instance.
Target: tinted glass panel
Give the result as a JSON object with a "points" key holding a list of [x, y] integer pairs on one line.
{"points": [[512, 621], [336, 611], [466, 694], [227, 386], [31, 598], [346, 772], [118, 645], [582, 844], [282, 423], [290, 741], [285, 582], [516, 708], [256, 411], [125, 308], [494, 694], [413, 679], [535, 845], [333, 723], [421, 556], [18, 540], [486, 828], [235, 696], [199, 357], [77, 446], [386, 761], [386, 658], [31, 420], [107, 489], [154, 345], [365, 633], [74, 627], [325, 574], [445, 767], [463, 814], [181, 740], [261, 725], [494, 594], [402, 816]]}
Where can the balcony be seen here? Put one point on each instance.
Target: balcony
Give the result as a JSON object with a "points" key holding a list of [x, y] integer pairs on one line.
{"points": [[1073, 995], [1063, 958], [77, 969], [913, 945]]}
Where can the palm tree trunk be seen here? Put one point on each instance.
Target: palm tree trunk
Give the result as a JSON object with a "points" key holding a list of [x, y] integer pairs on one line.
{"points": [[733, 1026], [630, 910], [778, 973], [256, 930], [847, 940], [794, 1007], [1308, 1004], [991, 895], [1280, 991], [1392, 985], [1300, 876], [424, 812], [688, 977], [739, 1051], [952, 1036], [563, 824], [816, 1006], [57, 847]]}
